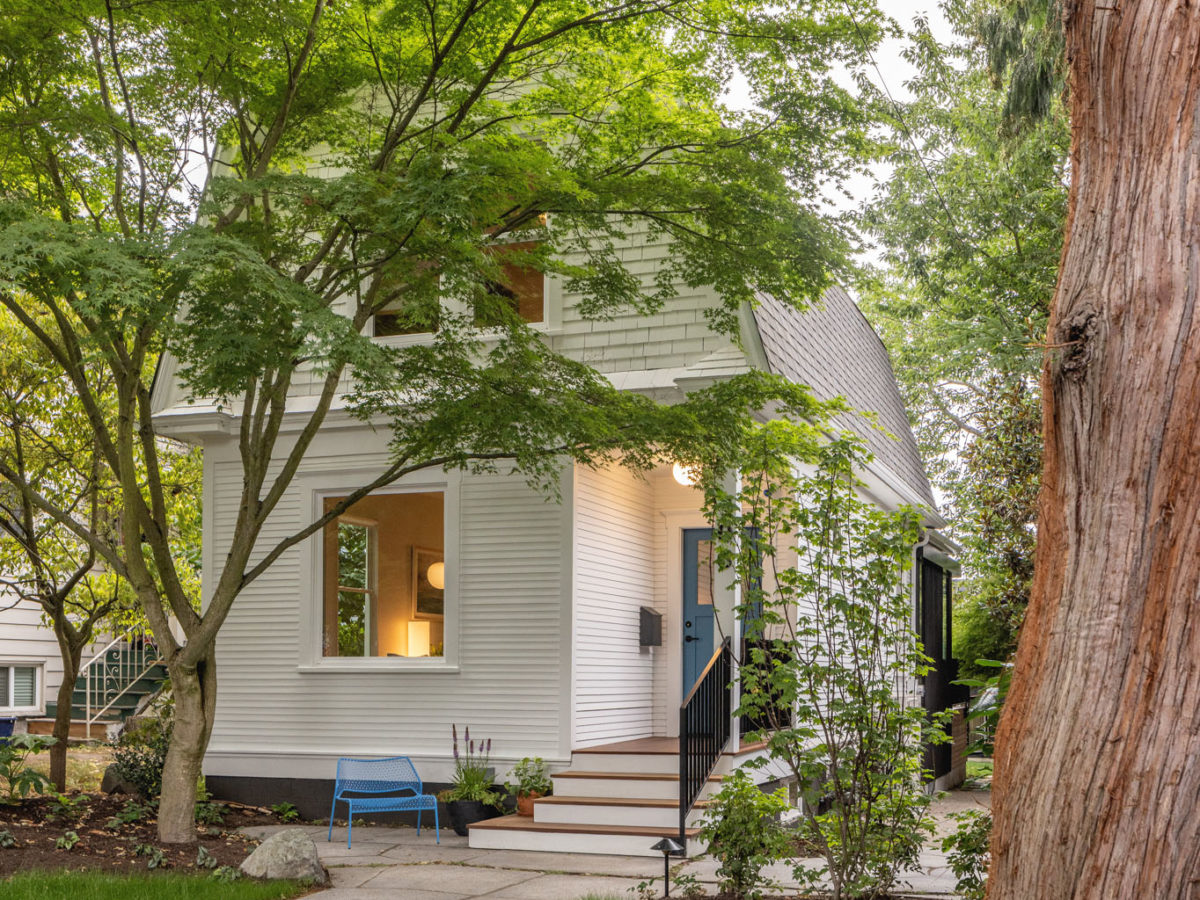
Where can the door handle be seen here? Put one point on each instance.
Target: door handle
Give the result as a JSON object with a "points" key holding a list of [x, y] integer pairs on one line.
{"points": [[688, 637]]}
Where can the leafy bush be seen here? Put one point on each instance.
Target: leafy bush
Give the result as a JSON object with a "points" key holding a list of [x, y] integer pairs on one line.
{"points": [[18, 779], [208, 812], [824, 683], [530, 776], [67, 809], [967, 853], [130, 814], [7, 840], [286, 812], [67, 841], [139, 756], [742, 830]]}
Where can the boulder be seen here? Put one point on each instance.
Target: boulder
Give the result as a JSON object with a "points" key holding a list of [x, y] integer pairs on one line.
{"points": [[286, 854], [112, 783]]}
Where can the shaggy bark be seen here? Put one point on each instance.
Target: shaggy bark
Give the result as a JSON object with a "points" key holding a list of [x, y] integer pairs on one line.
{"points": [[1096, 787]]}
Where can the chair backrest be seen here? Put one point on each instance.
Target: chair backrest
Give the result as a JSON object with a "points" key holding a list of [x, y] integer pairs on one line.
{"points": [[377, 776]]}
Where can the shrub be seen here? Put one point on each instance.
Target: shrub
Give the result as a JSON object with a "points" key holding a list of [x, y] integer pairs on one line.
{"points": [[742, 830], [530, 776], [826, 682], [139, 756], [18, 779], [967, 853]]}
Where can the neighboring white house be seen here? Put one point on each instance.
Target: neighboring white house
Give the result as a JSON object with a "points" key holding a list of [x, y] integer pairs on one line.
{"points": [[30, 664], [453, 598]]}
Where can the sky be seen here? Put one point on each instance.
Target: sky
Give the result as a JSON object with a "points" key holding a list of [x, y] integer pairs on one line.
{"points": [[893, 72]]}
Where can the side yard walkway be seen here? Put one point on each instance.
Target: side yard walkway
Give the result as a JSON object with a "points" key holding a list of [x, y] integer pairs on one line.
{"points": [[394, 863]]}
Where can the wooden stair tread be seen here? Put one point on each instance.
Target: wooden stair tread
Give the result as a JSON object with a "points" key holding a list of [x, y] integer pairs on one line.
{"points": [[628, 776], [637, 747], [565, 800], [525, 823]]}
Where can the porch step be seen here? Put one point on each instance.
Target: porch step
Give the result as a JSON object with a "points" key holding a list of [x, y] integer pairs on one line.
{"points": [[619, 811], [523, 833], [644, 785]]}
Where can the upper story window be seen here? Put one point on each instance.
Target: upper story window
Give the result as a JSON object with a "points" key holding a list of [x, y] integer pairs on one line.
{"points": [[520, 288], [384, 577], [19, 686]]}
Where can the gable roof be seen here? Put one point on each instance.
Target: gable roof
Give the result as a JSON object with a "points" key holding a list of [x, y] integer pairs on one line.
{"points": [[833, 349]]}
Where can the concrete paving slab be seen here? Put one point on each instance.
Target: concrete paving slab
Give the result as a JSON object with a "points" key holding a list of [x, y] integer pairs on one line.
{"points": [[352, 876], [408, 853], [389, 894], [566, 887], [578, 863], [470, 881]]}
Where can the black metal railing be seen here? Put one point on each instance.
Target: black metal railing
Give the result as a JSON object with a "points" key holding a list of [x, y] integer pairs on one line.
{"points": [[705, 726]]}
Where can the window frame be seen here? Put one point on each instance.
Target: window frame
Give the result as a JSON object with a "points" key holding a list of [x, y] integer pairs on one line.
{"points": [[552, 310], [39, 686], [371, 591], [320, 486]]}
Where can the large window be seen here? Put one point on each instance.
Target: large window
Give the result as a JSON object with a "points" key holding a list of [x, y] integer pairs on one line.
{"points": [[18, 686], [384, 576]]}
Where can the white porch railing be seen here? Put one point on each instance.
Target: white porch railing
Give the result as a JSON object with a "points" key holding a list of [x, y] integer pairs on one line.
{"points": [[109, 675]]}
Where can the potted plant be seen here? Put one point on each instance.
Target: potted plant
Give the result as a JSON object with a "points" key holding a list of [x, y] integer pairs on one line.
{"points": [[471, 799], [531, 779]]}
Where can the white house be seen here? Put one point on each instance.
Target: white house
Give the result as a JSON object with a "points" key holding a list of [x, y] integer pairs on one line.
{"points": [[453, 598], [30, 664]]}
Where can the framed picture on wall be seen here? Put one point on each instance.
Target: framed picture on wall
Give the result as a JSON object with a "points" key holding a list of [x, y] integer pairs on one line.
{"points": [[429, 583]]}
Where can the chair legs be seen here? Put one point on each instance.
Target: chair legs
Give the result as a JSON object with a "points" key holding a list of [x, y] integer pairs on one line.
{"points": [[418, 821], [437, 831], [349, 822], [332, 808]]}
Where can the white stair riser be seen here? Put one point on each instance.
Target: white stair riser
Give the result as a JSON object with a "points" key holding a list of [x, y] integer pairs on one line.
{"points": [[591, 814], [647, 763], [642, 788], [557, 842]]}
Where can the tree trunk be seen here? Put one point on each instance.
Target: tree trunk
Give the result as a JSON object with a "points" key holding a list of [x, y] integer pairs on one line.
{"points": [[62, 717], [194, 691], [1096, 782]]}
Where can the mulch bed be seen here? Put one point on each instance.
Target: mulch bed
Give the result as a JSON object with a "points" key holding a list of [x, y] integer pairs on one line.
{"points": [[36, 824]]}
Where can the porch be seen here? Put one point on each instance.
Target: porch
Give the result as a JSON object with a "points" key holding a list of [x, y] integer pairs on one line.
{"points": [[618, 798]]}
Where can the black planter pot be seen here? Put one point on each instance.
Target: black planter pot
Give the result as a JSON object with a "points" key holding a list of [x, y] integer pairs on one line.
{"points": [[464, 812]]}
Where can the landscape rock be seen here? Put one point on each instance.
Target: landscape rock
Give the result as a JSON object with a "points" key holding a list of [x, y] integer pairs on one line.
{"points": [[286, 854], [112, 783]]}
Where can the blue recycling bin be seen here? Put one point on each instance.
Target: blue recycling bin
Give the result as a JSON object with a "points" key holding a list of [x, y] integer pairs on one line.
{"points": [[6, 727]]}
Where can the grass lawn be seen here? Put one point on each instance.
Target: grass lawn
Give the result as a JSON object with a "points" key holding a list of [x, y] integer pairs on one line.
{"points": [[979, 768], [85, 765], [100, 886]]}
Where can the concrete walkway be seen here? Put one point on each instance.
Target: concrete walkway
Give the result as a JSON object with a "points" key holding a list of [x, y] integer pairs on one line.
{"points": [[394, 863]]}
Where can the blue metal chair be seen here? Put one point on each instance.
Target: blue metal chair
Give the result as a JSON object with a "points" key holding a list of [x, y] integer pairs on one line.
{"points": [[380, 785]]}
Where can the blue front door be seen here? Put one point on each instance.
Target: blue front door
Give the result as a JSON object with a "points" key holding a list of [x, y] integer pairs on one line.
{"points": [[698, 576]]}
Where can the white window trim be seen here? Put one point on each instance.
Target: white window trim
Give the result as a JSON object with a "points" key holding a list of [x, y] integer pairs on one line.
{"points": [[39, 690], [317, 487]]}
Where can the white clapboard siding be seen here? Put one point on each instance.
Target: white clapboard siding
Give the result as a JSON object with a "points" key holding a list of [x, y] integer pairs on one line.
{"points": [[513, 653], [614, 572], [675, 337], [25, 639]]}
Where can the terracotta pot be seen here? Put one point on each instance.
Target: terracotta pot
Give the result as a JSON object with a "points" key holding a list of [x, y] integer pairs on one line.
{"points": [[525, 803]]}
